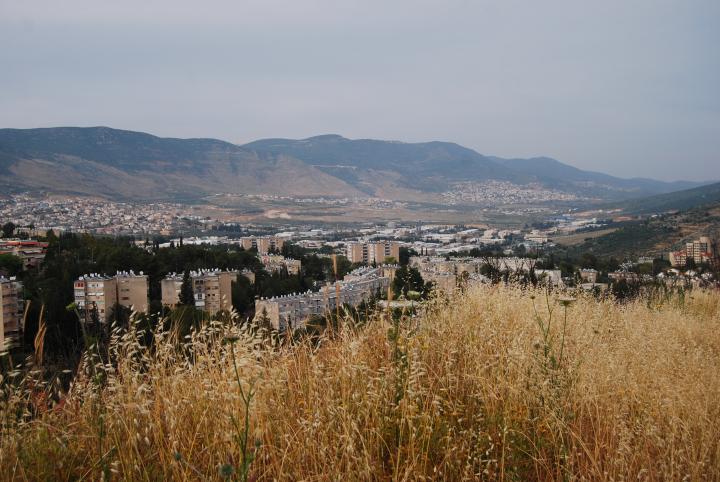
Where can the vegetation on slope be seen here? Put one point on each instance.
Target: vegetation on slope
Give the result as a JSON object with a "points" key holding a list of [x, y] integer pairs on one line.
{"points": [[674, 201], [499, 383], [654, 236]]}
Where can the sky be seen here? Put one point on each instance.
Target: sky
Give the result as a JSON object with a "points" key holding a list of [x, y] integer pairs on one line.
{"points": [[626, 87]]}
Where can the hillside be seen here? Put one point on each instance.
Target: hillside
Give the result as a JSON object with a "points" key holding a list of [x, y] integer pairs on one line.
{"points": [[556, 174], [435, 166], [133, 165], [674, 201], [655, 235], [123, 164], [430, 166], [492, 385]]}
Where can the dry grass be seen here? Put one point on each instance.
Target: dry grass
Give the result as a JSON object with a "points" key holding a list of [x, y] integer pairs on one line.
{"points": [[472, 390]]}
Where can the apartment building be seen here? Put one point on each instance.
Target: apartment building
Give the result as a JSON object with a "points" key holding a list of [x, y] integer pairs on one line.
{"points": [[700, 251], [263, 244], [132, 290], [372, 252], [32, 253], [212, 289], [96, 292], [275, 263], [11, 310], [588, 275], [292, 311], [448, 273]]}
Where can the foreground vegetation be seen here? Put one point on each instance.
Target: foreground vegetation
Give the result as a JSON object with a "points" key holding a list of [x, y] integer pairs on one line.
{"points": [[497, 383]]}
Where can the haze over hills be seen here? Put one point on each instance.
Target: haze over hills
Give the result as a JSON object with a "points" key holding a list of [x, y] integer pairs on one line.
{"points": [[123, 164]]}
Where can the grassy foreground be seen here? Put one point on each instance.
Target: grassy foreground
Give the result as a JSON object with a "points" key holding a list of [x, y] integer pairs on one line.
{"points": [[483, 386]]}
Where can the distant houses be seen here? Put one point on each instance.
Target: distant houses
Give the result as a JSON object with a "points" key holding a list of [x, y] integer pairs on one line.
{"points": [[30, 252]]}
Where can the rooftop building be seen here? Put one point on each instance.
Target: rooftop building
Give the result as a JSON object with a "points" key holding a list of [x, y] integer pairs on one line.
{"points": [[376, 252], [263, 244], [97, 294], [212, 289]]}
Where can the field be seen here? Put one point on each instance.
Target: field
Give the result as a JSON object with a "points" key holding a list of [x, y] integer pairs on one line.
{"points": [[579, 238], [500, 383]]}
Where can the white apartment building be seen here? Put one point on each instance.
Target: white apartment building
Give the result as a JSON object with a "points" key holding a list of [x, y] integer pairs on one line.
{"points": [[289, 312]]}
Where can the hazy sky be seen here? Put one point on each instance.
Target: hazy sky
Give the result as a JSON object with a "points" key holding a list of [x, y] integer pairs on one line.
{"points": [[627, 87]]}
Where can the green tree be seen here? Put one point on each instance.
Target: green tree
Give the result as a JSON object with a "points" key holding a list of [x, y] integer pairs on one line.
{"points": [[408, 279], [8, 229], [187, 297], [10, 264]]}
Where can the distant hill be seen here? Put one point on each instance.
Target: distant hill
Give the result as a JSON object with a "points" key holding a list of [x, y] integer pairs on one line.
{"points": [[133, 165], [429, 166], [656, 235], [556, 174], [674, 201], [435, 165]]}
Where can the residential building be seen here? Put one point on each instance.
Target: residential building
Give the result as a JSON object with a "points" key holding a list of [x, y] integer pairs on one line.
{"points": [[11, 310], [293, 311], [100, 293], [263, 244], [212, 289], [132, 291], [95, 295], [552, 277], [628, 276], [32, 253], [372, 252], [588, 275], [678, 258], [275, 263], [700, 251]]}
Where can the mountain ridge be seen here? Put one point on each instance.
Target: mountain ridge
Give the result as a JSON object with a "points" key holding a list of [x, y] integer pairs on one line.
{"points": [[137, 164]]}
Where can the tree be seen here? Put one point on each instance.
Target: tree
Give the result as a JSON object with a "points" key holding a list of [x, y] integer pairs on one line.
{"points": [[10, 264], [243, 296], [8, 229], [408, 279], [187, 297], [405, 254]]}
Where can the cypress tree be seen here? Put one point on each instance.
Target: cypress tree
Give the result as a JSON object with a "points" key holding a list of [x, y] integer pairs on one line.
{"points": [[187, 297]]}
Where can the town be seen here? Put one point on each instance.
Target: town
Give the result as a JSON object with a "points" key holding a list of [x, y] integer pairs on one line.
{"points": [[445, 257]]}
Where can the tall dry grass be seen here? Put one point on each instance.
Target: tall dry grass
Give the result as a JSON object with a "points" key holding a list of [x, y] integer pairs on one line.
{"points": [[476, 388]]}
